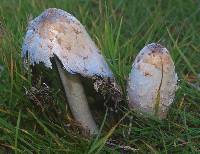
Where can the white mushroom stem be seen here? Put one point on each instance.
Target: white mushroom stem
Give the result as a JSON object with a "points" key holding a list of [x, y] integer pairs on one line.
{"points": [[76, 99]]}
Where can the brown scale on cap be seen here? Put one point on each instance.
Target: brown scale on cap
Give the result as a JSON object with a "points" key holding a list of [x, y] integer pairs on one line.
{"points": [[50, 29], [157, 56]]}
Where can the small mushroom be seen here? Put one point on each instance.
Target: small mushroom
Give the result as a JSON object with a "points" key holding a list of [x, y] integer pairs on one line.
{"points": [[59, 35], [152, 82]]}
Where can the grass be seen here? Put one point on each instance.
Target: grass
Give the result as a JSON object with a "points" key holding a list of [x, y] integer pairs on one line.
{"points": [[120, 28]]}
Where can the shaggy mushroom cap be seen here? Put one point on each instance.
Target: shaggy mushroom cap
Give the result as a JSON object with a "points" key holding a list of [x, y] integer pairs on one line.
{"points": [[56, 32], [59, 35], [152, 81]]}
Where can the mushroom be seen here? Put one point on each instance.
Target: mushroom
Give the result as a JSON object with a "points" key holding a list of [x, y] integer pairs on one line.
{"points": [[152, 81], [59, 35]]}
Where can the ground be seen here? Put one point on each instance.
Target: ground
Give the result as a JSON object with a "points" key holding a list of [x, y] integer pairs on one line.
{"points": [[33, 117]]}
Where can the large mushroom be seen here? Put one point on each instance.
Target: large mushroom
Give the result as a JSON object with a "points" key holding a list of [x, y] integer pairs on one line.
{"points": [[152, 81], [59, 35]]}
